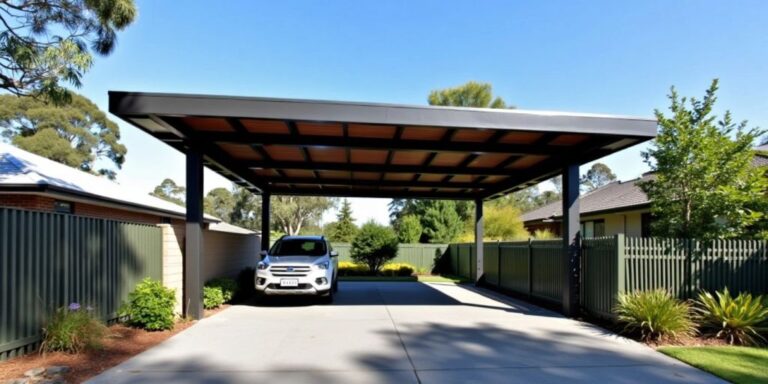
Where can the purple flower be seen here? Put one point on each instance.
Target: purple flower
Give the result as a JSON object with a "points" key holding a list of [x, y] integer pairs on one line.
{"points": [[74, 306]]}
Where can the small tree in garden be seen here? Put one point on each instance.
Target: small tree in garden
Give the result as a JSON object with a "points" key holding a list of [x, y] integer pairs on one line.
{"points": [[344, 229], [704, 184], [409, 229], [374, 246]]}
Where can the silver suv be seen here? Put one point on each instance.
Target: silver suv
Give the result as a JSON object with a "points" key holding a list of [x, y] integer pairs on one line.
{"points": [[299, 265]]}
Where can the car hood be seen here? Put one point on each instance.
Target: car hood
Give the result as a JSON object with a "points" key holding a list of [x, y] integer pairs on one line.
{"points": [[304, 260]]}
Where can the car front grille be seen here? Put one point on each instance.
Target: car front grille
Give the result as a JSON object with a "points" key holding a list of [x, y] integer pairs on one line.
{"points": [[289, 270]]}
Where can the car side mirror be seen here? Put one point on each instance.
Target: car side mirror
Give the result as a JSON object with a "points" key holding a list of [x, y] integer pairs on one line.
{"points": [[263, 254], [334, 254]]}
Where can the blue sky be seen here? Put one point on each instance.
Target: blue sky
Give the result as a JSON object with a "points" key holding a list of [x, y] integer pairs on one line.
{"points": [[610, 57]]}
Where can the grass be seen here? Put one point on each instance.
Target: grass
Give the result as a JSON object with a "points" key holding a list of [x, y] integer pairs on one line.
{"points": [[420, 278], [735, 364]]}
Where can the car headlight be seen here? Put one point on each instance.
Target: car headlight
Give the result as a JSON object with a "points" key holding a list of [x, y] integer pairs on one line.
{"points": [[323, 265], [262, 265]]}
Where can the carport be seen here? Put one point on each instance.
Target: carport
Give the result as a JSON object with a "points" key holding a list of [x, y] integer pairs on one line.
{"points": [[331, 148]]}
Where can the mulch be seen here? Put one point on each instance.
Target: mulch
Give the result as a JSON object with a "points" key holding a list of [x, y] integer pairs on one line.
{"points": [[122, 342]]}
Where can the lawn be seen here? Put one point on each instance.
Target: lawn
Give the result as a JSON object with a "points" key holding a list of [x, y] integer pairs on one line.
{"points": [[420, 278], [735, 364]]}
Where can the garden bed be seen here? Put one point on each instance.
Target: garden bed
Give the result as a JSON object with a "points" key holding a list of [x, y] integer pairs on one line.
{"points": [[120, 344]]}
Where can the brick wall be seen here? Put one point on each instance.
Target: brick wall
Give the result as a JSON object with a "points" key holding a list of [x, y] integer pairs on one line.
{"points": [[31, 202], [173, 260], [45, 203]]}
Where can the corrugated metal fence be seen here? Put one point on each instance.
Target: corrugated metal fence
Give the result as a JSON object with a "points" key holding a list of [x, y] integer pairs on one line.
{"points": [[421, 256], [49, 260], [615, 264]]}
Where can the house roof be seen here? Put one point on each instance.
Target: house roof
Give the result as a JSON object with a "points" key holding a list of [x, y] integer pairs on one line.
{"points": [[335, 148], [616, 195], [613, 196], [26, 172]]}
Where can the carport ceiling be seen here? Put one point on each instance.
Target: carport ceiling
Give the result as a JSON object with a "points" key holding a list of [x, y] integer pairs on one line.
{"points": [[330, 148]]}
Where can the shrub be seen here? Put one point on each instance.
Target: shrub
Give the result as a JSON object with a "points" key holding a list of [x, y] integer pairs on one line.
{"points": [[734, 319], [348, 268], [409, 229], [656, 315], [227, 286], [246, 285], [212, 297], [374, 246], [397, 269], [543, 234], [72, 329], [150, 306]]}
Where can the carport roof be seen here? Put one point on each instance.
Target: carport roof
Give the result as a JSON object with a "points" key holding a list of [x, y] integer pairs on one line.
{"points": [[332, 148]]}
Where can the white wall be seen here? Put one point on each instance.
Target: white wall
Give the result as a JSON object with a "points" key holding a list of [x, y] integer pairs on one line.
{"points": [[226, 254]]}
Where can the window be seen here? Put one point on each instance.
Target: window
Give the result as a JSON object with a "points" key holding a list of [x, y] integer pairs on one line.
{"points": [[63, 206], [593, 228], [298, 247], [645, 224]]}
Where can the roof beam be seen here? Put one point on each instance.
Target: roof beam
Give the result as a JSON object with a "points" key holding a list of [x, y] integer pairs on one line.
{"points": [[351, 192], [371, 143], [392, 168], [382, 183]]}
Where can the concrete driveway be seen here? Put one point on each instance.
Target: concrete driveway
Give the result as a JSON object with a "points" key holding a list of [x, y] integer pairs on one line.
{"points": [[403, 333]]}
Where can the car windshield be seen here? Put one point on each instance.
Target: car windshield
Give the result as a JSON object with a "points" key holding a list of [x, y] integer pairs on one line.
{"points": [[298, 247]]}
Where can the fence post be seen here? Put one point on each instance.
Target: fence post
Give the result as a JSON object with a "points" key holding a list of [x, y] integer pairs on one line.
{"points": [[498, 264], [530, 267], [620, 265]]}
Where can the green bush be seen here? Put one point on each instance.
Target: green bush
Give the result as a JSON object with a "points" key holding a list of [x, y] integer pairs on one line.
{"points": [[72, 329], [656, 315], [150, 306], [348, 268], [409, 229], [397, 269], [733, 319], [374, 246], [227, 286], [212, 297]]}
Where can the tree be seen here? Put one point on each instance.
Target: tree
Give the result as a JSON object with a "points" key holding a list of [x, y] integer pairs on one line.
{"points": [[168, 190], [470, 94], [246, 209], [374, 246], [47, 42], [409, 229], [344, 229], [704, 185], [441, 222], [503, 223], [292, 212], [77, 134], [597, 176], [219, 202]]}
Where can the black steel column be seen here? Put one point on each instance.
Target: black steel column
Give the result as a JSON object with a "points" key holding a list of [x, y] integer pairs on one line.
{"points": [[193, 250], [571, 239], [479, 239], [265, 221]]}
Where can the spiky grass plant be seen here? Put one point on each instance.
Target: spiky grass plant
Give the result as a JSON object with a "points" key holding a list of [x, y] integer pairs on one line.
{"points": [[735, 319], [655, 315]]}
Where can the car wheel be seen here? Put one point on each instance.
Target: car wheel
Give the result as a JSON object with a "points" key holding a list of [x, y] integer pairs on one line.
{"points": [[335, 285]]}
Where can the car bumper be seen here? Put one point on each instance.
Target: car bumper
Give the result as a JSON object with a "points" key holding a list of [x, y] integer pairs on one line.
{"points": [[314, 282]]}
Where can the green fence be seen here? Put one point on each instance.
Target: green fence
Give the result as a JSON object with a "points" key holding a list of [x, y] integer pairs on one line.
{"points": [[615, 264], [48, 260], [421, 256]]}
